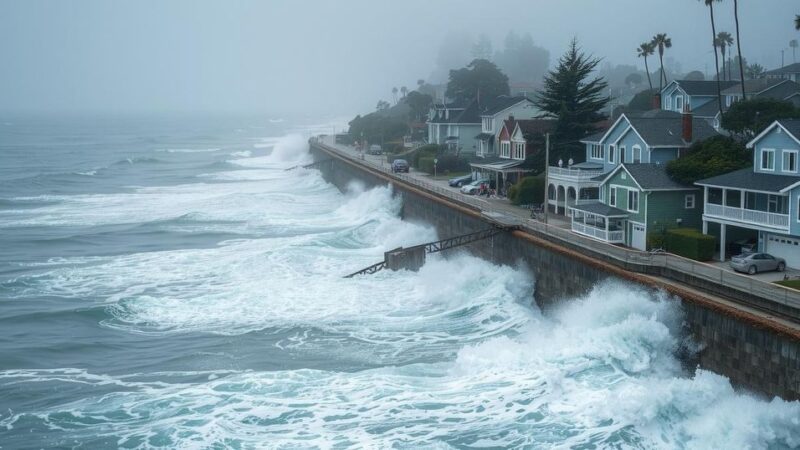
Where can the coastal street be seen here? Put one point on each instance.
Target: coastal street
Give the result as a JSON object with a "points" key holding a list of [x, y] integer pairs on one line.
{"points": [[504, 205]]}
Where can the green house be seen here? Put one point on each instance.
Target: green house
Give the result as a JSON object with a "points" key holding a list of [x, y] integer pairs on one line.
{"points": [[635, 200]]}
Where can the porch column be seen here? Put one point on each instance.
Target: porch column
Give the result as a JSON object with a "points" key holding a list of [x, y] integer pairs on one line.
{"points": [[705, 227], [722, 241], [607, 220]]}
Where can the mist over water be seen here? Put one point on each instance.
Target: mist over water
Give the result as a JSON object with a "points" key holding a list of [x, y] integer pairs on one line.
{"points": [[176, 287]]}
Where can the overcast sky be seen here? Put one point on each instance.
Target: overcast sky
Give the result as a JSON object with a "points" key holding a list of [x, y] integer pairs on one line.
{"points": [[329, 56]]}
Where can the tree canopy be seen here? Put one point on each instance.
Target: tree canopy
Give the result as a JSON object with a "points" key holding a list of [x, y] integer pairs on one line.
{"points": [[522, 60], [709, 158], [573, 98], [419, 104], [750, 117], [479, 77]]}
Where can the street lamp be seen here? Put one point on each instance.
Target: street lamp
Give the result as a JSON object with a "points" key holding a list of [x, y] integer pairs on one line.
{"points": [[435, 162]]}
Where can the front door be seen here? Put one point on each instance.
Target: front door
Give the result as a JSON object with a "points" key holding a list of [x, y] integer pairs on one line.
{"points": [[638, 236]]}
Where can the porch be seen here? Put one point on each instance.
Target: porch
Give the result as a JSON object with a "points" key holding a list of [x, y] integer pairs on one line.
{"points": [[600, 221], [747, 208], [504, 172]]}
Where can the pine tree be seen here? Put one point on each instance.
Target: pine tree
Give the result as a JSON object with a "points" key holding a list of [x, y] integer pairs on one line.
{"points": [[572, 98]]}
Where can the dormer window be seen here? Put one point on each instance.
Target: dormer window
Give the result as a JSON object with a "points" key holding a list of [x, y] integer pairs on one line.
{"points": [[487, 124], [679, 103]]}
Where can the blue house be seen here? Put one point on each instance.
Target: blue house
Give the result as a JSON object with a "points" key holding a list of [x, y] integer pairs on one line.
{"points": [[654, 137], [699, 96], [455, 125], [760, 204]]}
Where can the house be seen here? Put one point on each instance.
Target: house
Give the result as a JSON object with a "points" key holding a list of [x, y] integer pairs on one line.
{"points": [[655, 137], [760, 204], [492, 115], [454, 125], [637, 199], [699, 95], [774, 88], [516, 141], [790, 72]]}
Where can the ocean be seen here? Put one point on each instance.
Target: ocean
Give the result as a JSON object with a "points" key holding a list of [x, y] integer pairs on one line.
{"points": [[166, 282]]}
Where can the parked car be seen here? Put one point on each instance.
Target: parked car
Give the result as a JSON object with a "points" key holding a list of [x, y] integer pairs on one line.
{"points": [[375, 149], [460, 181], [753, 263], [474, 187], [400, 165]]}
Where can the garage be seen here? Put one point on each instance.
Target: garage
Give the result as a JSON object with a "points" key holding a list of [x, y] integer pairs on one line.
{"points": [[638, 236], [784, 247]]}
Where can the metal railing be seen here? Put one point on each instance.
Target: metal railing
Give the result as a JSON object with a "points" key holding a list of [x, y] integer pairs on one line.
{"points": [[748, 215], [619, 256], [599, 233]]}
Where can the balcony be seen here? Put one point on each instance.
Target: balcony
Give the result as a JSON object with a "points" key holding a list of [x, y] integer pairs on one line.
{"points": [[574, 175], [748, 216]]}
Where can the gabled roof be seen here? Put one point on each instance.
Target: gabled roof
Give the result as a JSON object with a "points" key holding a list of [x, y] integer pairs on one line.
{"points": [[752, 181], [666, 129], [532, 126], [649, 177], [703, 87], [753, 86], [790, 126], [501, 103], [710, 109], [791, 68]]}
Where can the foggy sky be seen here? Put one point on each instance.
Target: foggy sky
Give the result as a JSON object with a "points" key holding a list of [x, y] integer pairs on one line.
{"points": [[316, 56]]}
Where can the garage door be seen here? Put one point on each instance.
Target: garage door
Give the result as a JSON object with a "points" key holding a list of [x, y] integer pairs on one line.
{"points": [[638, 236], [786, 248]]}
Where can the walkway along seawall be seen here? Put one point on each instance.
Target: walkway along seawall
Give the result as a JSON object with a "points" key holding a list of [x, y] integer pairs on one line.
{"points": [[752, 339]]}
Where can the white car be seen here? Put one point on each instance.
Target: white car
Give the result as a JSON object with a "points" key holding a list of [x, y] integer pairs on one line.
{"points": [[474, 187]]}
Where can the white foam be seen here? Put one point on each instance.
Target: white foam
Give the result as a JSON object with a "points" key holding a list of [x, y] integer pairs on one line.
{"points": [[188, 150]]}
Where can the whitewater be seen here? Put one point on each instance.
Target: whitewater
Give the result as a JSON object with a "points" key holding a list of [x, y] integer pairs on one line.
{"points": [[170, 284]]}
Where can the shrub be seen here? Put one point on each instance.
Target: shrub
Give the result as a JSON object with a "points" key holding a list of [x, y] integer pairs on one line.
{"points": [[429, 150], [425, 164], [690, 243], [452, 163], [656, 240], [526, 191]]}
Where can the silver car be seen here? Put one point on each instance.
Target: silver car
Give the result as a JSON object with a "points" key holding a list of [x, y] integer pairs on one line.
{"points": [[753, 263]]}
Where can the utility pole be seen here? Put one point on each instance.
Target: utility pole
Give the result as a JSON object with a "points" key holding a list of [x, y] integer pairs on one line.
{"points": [[546, 176]]}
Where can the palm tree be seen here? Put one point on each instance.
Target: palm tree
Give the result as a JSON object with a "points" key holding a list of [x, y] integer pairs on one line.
{"points": [[394, 94], [403, 91], [724, 39], [646, 49], [793, 45], [662, 42], [797, 22], [710, 4], [755, 71], [739, 45]]}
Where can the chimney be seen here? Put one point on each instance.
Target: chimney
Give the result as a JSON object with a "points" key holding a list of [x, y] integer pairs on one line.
{"points": [[686, 121], [511, 117], [657, 101]]}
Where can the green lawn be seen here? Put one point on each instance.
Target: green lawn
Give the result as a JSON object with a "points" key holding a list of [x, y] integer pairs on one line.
{"points": [[794, 284]]}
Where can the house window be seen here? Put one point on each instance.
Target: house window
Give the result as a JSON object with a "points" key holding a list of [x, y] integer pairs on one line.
{"points": [[688, 201], [487, 124], [622, 154], [637, 154], [612, 196], [679, 103], [798, 209], [633, 201], [597, 151], [767, 159], [790, 161], [611, 150], [669, 103], [519, 150]]}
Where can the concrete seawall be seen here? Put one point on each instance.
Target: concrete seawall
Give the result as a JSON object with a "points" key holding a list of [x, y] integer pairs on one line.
{"points": [[753, 351]]}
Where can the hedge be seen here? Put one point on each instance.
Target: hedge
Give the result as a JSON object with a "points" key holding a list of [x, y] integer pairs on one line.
{"points": [[529, 190], [690, 243], [425, 164]]}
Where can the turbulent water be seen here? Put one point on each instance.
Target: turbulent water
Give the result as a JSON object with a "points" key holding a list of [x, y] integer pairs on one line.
{"points": [[166, 283]]}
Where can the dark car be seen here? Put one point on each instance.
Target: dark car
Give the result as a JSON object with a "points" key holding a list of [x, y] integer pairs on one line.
{"points": [[400, 165], [460, 181]]}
